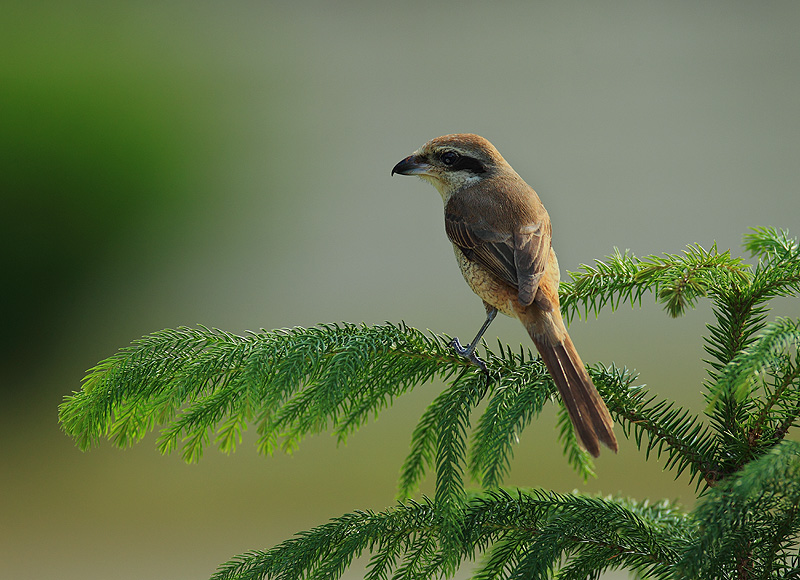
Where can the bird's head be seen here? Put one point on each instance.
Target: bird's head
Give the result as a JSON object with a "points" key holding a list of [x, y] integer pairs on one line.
{"points": [[453, 162]]}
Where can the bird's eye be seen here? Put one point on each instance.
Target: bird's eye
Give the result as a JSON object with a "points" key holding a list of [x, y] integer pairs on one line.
{"points": [[449, 157]]}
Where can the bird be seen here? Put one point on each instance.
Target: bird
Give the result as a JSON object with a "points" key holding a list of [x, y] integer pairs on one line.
{"points": [[501, 236]]}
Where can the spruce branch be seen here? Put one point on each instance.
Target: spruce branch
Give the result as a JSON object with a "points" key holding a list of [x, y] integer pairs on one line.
{"points": [[756, 398], [676, 280], [739, 319], [608, 282], [455, 405], [293, 382], [520, 393], [670, 430], [201, 386], [577, 456], [740, 377], [739, 307], [769, 243], [749, 520], [524, 533]]}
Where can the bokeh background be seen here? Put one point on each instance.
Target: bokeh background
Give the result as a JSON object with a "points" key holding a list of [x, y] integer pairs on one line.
{"points": [[176, 163]]}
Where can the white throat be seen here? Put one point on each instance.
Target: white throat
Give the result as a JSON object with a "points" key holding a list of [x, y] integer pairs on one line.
{"points": [[446, 190]]}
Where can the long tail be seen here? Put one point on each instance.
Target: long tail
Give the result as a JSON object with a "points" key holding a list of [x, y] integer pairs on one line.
{"points": [[586, 408]]}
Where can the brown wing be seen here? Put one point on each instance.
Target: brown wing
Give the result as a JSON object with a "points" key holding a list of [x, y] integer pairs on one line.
{"points": [[492, 250], [518, 259], [531, 251]]}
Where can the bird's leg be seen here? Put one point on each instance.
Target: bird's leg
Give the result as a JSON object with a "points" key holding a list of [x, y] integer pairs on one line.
{"points": [[468, 352]]}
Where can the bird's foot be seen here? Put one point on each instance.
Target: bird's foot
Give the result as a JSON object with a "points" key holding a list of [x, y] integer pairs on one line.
{"points": [[468, 352]]}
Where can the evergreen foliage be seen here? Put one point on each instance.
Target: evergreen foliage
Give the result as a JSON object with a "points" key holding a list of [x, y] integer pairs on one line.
{"points": [[200, 385]]}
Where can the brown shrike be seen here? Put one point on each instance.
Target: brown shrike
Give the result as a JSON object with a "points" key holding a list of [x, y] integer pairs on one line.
{"points": [[501, 237]]}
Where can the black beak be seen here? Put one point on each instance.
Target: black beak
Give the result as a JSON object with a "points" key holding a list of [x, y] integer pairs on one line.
{"points": [[410, 166]]}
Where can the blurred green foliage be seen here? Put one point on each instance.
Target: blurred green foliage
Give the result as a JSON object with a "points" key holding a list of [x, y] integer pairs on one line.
{"points": [[88, 153]]}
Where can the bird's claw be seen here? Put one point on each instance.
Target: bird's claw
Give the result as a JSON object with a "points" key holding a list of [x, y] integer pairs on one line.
{"points": [[468, 353]]}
